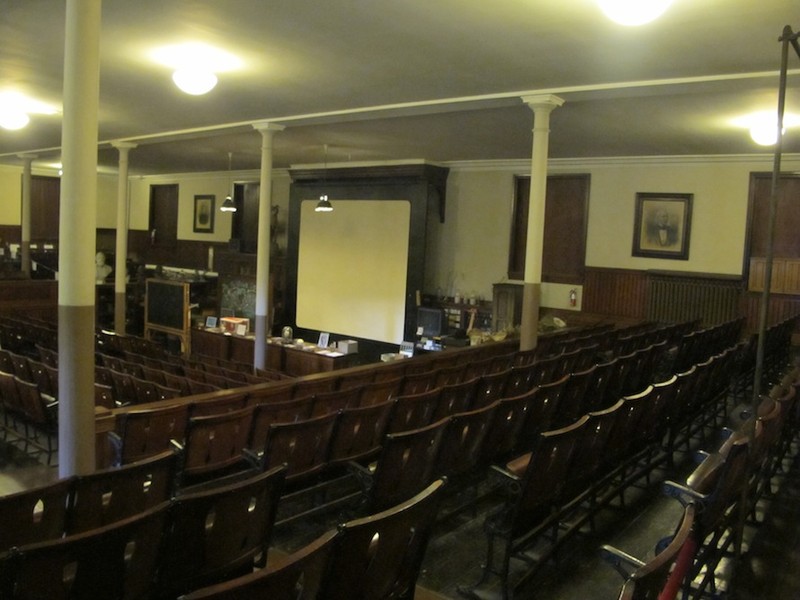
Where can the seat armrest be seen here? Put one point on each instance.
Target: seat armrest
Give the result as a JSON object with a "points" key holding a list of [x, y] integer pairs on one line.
{"points": [[683, 494], [623, 563]]}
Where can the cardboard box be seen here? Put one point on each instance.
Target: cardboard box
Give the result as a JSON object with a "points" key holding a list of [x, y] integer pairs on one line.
{"points": [[229, 325], [347, 346]]}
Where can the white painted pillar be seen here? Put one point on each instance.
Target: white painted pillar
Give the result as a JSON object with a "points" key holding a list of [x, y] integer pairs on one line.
{"points": [[121, 249], [262, 324], [542, 106], [25, 217], [77, 239]]}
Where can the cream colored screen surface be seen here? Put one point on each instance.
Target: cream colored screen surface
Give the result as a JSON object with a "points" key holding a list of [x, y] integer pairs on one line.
{"points": [[351, 268]]}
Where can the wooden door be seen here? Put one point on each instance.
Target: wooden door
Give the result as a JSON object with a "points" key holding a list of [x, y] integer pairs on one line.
{"points": [[164, 215], [45, 196]]}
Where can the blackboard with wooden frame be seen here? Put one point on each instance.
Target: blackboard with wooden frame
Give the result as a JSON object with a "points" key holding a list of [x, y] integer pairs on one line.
{"points": [[167, 309]]}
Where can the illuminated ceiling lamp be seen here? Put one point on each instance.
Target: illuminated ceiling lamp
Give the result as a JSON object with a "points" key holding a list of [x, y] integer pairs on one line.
{"points": [[227, 204], [633, 12], [16, 108], [763, 126], [196, 65], [324, 205]]}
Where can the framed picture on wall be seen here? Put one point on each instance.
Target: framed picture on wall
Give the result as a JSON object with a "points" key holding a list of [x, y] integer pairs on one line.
{"points": [[204, 214], [662, 223]]}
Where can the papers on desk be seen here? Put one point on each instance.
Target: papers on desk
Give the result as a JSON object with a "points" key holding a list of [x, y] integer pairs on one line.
{"points": [[331, 353]]}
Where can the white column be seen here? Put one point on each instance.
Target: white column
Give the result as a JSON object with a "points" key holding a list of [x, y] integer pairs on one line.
{"points": [[262, 324], [77, 239], [25, 217], [542, 106], [121, 250]]}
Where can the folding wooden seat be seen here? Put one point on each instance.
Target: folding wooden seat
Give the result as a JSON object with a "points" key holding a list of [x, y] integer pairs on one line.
{"points": [[389, 371], [104, 396], [502, 438], [358, 434], [415, 383], [35, 514], [21, 368], [331, 402], [648, 580], [219, 381], [303, 446], [455, 398], [572, 404], [41, 377], [217, 405], [220, 533], [478, 368], [116, 561], [270, 413], [547, 370], [114, 494], [13, 411], [531, 508], [404, 467], [449, 375], [153, 375], [145, 390], [379, 391], [134, 369], [355, 379], [461, 449], [413, 411], [40, 413], [214, 446], [490, 387], [47, 355], [177, 382], [379, 556], [520, 379], [146, 432], [298, 575], [124, 390], [543, 407], [280, 392]]}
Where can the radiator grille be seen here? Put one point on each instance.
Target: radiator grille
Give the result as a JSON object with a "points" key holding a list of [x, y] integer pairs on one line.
{"points": [[676, 299]]}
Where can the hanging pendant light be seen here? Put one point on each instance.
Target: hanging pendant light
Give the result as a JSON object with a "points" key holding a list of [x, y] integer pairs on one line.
{"points": [[228, 205], [324, 204]]}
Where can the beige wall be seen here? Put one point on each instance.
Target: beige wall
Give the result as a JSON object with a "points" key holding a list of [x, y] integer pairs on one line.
{"points": [[469, 252]]}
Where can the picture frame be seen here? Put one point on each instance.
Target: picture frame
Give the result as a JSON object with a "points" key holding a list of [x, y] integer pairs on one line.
{"points": [[324, 339], [662, 225], [204, 213]]}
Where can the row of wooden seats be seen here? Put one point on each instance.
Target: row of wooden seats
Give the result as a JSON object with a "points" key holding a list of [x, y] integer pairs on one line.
{"points": [[29, 415], [574, 471], [205, 544], [739, 469], [121, 534]]}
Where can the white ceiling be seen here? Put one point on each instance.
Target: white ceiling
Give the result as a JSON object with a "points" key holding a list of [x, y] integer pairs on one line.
{"points": [[390, 80]]}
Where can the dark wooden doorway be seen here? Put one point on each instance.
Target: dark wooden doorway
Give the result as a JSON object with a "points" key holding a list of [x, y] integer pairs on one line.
{"points": [[566, 209], [45, 201], [164, 215]]}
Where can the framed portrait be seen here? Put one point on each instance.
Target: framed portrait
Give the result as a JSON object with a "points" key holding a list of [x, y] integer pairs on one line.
{"points": [[662, 224], [204, 214]]}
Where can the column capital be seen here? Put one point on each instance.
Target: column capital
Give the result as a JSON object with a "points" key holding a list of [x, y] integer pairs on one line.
{"points": [[27, 157], [263, 126], [543, 101], [124, 145]]}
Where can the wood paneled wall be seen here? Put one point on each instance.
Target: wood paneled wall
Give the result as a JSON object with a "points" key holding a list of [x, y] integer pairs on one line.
{"points": [[620, 292]]}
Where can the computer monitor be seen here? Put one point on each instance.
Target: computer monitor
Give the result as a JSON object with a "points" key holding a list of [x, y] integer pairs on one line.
{"points": [[430, 322]]}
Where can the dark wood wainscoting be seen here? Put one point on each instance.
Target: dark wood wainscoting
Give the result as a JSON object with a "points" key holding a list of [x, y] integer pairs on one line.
{"points": [[781, 307], [619, 292]]}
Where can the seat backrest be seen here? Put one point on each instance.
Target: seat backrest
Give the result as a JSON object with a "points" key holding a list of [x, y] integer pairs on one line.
{"points": [[34, 515], [380, 390], [219, 533], [309, 387], [302, 445], [114, 494], [505, 429], [542, 409], [331, 402], [269, 413], [147, 432], [490, 387], [298, 575], [379, 556], [456, 397], [573, 403], [416, 383], [358, 433], [461, 448], [448, 375], [215, 406], [545, 476], [413, 411], [405, 465], [215, 443], [116, 561]]}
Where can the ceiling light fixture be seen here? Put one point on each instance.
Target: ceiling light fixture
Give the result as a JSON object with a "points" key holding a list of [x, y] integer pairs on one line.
{"points": [[324, 205], [633, 12], [763, 126], [227, 204], [16, 108], [196, 65]]}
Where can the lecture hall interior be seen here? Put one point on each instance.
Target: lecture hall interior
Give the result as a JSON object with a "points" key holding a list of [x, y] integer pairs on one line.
{"points": [[404, 300]]}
